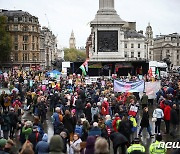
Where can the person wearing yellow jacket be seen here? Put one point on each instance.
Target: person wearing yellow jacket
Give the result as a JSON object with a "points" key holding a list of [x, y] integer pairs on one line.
{"points": [[155, 148], [136, 146]]}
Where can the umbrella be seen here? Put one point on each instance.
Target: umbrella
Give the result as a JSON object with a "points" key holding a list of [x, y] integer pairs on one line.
{"points": [[54, 72]]}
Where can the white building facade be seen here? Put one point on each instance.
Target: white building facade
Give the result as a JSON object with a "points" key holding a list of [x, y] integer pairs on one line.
{"points": [[48, 48]]}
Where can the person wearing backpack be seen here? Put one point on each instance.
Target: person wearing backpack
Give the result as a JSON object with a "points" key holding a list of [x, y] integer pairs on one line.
{"points": [[79, 128]]}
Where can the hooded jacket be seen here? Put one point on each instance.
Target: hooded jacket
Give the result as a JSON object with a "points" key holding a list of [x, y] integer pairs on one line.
{"points": [[56, 145], [43, 146]]}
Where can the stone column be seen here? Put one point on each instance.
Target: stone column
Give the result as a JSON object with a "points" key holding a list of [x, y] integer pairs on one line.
{"points": [[106, 4]]}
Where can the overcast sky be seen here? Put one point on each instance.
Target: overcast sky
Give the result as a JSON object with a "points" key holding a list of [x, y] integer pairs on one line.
{"points": [[67, 15]]}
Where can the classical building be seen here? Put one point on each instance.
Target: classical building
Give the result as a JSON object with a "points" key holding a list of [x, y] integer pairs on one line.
{"points": [[24, 29], [48, 48], [72, 41], [167, 46], [115, 43], [149, 42]]}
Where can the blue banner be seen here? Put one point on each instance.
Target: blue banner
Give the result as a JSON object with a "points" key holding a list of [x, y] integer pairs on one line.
{"points": [[136, 86]]}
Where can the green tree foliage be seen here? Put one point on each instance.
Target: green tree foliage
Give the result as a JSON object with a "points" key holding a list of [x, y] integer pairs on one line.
{"points": [[5, 40], [74, 55]]}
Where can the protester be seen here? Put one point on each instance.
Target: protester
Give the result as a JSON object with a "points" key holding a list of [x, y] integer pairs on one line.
{"points": [[174, 120], [56, 145], [101, 146], [158, 113], [119, 141], [42, 147], [167, 113], [75, 145], [145, 122]]}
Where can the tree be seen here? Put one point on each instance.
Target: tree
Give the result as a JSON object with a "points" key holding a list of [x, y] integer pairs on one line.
{"points": [[74, 55], [5, 40]]}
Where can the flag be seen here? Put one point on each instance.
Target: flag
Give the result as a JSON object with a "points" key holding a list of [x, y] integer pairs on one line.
{"points": [[86, 65], [150, 72], [157, 72], [129, 75], [83, 69]]}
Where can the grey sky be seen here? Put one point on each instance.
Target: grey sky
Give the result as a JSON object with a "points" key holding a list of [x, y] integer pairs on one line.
{"points": [[65, 15]]}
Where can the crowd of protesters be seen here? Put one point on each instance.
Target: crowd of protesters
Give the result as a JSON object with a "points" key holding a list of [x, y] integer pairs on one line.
{"points": [[87, 118]]}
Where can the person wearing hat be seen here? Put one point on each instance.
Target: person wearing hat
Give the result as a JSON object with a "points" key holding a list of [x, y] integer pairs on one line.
{"points": [[35, 137], [136, 146], [95, 130], [154, 147], [2, 144]]}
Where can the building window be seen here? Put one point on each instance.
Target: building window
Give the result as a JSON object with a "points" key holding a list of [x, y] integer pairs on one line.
{"points": [[177, 44], [25, 46], [15, 38], [15, 27], [25, 19], [25, 57], [139, 54], [33, 28], [150, 57], [25, 38], [16, 56], [149, 52], [15, 19], [37, 47], [32, 38], [139, 45], [178, 57], [132, 54], [25, 28], [125, 45], [125, 54], [33, 56], [144, 46], [37, 56], [132, 45], [16, 47], [177, 51], [33, 46]]}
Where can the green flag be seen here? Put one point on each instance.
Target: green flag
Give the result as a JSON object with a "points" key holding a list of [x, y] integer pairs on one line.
{"points": [[157, 72], [83, 70]]}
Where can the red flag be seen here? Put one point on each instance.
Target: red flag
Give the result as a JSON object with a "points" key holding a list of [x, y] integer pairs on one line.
{"points": [[150, 72]]}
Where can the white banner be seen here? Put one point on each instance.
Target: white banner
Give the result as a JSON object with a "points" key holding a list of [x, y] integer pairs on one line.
{"points": [[152, 88]]}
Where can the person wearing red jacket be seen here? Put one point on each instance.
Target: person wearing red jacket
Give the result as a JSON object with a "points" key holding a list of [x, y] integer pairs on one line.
{"points": [[114, 123], [105, 107], [167, 117]]}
